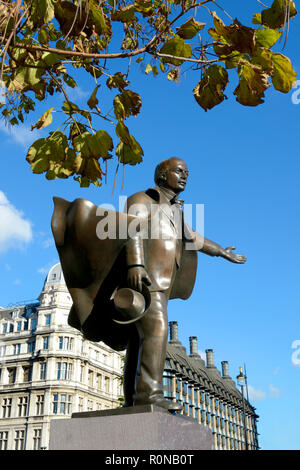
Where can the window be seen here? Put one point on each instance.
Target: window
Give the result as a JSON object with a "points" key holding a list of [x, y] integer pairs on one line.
{"points": [[31, 346], [6, 407], [48, 320], [107, 384], [17, 348], [43, 368], [64, 371], [22, 406], [99, 381], [66, 343], [91, 378], [81, 374], [80, 404], [40, 404], [19, 439], [12, 375], [46, 342], [27, 373], [4, 328], [62, 403], [19, 326], [37, 438], [11, 327], [3, 440]]}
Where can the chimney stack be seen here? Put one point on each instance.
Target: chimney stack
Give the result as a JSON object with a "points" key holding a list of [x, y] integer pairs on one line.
{"points": [[209, 358], [193, 346], [173, 325], [173, 331], [225, 370]]}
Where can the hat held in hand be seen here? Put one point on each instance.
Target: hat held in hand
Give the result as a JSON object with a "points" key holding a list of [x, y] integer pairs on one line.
{"points": [[131, 304]]}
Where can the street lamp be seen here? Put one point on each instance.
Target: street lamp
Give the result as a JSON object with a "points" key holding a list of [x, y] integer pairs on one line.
{"points": [[242, 380]]}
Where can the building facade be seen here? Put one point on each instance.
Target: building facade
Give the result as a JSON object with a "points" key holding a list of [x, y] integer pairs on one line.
{"points": [[209, 397], [49, 371]]}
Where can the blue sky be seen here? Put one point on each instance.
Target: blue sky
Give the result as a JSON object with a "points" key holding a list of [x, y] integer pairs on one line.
{"points": [[244, 167]]}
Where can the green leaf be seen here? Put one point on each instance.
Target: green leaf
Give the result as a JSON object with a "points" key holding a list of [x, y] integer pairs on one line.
{"points": [[240, 37], [44, 121], [144, 6], [148, 69], [70, 107], [275, 16], [93, 101], [80, 143], [98, 21], [50, 58], [40, 165], [117, 81], [267, 37], [256, 18], [42, 11], [252, 85], [125, 15], [70, 81], [128, 103], [209, 91], [175, 47], [173, 75], [100, 144], [123, 133], [83, 180], [263, 58], [189, 29], [43, 36], [284, 75], [127, 155]]}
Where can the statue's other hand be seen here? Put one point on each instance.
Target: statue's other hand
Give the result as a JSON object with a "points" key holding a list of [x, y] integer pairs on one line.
{"points": [[233, 257], [136, 276]]}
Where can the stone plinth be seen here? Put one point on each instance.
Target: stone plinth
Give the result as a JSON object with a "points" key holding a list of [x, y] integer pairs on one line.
{"points": [[137, 428]]}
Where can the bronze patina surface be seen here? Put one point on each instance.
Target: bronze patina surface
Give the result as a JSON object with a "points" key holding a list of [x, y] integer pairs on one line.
{"points": [[163, 266]]}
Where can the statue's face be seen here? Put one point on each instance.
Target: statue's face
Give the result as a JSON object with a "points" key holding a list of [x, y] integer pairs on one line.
{"points": [[176, 175]]}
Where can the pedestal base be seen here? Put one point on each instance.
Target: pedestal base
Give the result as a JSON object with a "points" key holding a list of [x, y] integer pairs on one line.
{"points": [[136, 428]]}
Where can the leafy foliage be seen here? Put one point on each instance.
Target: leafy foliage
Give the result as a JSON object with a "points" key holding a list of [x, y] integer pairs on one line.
{"points": [[46, 42]]}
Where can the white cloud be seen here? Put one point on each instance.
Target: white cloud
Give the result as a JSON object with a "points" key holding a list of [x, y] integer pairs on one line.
{"points": [[274, 391], [21, 134], [45, 269], [202, 354], [256, 395], [15, 231], [48, 242]]}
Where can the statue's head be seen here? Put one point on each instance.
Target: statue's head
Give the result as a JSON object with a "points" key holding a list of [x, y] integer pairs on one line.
{"points": [[171, 174]]}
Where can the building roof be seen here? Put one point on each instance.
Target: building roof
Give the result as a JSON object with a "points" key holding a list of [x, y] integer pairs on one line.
{"points": [[209, 379]]}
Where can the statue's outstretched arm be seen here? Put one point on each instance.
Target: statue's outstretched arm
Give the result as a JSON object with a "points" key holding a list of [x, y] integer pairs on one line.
{"points": [[213, 249]]}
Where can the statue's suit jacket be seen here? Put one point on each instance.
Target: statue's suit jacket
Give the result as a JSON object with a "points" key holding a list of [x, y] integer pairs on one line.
{"points": [[168, 262], [94, 268]]}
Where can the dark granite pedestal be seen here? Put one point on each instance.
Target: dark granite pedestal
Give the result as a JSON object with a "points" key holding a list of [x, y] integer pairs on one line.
{"points": [[135, 428]]}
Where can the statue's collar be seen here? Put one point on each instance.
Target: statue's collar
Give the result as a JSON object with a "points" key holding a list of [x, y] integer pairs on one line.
{"points": [[160, 194]]}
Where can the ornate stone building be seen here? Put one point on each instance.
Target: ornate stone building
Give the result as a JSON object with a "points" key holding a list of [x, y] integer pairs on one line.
{"points": [[48, 370]]}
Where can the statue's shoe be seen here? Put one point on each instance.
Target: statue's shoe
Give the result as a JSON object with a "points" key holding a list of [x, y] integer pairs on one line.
{"points": [[161, 402]]}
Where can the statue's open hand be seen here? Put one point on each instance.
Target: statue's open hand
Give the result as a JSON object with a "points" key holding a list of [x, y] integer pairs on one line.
{"points": [[136, 276], [233, 257]]}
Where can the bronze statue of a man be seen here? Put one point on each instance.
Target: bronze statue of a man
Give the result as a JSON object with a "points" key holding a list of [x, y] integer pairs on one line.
{"points": [[93, 269]]}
